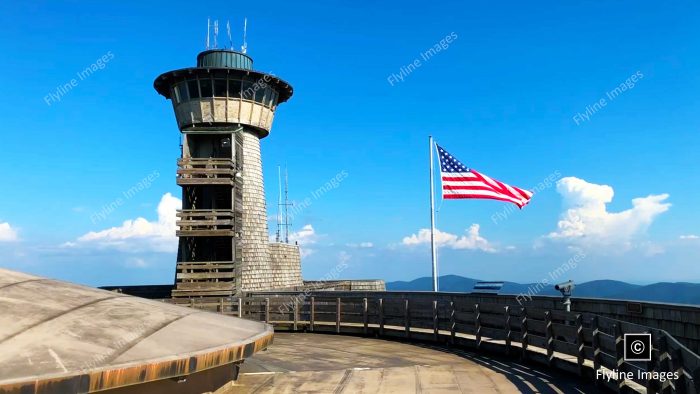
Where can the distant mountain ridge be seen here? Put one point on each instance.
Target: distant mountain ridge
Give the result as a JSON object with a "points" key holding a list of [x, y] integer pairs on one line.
{"points": [[677, 293]]}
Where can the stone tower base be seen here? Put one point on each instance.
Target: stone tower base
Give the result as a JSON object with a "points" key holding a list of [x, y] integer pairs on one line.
{"points": [[286, 265]]}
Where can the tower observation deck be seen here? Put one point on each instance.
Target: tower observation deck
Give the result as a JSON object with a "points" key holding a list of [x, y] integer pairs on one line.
{"points": [[223, 108]]}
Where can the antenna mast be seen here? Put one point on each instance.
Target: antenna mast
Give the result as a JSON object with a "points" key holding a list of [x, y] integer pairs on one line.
{"points": [[279, 205], [228, 32], [244, 47], [208, 29], [216, 32], [286, 206]]}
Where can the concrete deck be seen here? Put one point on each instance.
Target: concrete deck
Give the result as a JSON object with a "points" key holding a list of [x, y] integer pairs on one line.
{"points": [[321, 363]]}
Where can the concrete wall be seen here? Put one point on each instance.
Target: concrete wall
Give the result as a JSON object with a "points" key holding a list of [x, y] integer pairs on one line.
{"points": [[286, 265]]}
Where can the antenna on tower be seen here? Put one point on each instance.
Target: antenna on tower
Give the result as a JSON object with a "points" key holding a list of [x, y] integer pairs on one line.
{"points": [[279, 205], [208, 29], [244, 47], [228, 32], [216, 32], [286, 206]]}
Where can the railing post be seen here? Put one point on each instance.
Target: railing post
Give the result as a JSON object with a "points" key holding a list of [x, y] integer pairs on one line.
{"points": [[221, 305], [365, 316], [581, 356], [677, 366], [507, 328], [653, 364], [664, 362], [436, 327], [381, 316], [477, 324], [523, 333], [337, 315], [595, 342], [191, 302], [296, 313], [312, 317], [267, 310], [453, 322], [619, 354], [240, 308], [407, 318], [549, 338]]}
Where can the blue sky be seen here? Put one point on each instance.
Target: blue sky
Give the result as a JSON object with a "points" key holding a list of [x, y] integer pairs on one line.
{"points": [[501, 97]]}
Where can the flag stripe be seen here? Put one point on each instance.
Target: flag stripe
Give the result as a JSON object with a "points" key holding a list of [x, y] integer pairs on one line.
{"points": [[458, 181], [465, 196], [481, 194]]}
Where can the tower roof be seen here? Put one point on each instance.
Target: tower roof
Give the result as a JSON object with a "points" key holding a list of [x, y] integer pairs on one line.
{"points": [[222, 62], [225, 58]]}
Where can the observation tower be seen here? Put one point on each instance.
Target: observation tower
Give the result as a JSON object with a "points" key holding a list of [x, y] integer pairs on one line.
{"points": [[223, 109]]}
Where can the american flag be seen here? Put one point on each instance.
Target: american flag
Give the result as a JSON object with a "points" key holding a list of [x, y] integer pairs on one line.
{"points": [[459, 181]]}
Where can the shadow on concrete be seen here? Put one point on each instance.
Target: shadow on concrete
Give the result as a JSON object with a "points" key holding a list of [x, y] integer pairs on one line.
{"points": [[527, 377]]}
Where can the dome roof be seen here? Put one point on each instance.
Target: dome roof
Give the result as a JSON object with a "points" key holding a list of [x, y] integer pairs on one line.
{"points": [[76, 338]]}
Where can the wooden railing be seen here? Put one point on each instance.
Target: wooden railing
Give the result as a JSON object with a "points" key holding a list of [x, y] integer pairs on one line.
{"points": [[583, 343], [192, 222], [205, 171]]}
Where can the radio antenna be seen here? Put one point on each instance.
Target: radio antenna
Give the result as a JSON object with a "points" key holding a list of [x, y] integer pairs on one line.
{"points": [[286, 206], [228, 32], [278, 236], [216, 32], [208, 29], [244, 47]]}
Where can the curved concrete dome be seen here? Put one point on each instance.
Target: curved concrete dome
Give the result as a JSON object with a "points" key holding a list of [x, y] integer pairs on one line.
{"points": [[61, 337]]}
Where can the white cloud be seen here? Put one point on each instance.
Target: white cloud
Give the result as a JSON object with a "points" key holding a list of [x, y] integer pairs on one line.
{"points": [[304, 237], [471, 240], [136, 263], [139, 234], [7, 233], [344, 257], [587, 220], [361, 245], [689, 236]]}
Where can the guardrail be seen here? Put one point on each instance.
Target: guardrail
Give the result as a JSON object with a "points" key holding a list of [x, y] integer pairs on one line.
{"points": [[583, 343]]}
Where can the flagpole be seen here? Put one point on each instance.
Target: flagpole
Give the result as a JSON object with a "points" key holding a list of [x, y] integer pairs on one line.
{"points": [[432, 219]]}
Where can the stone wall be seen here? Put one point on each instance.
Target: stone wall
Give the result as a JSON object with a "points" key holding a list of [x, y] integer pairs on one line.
{"points": [[286, 265], [222, 110], [341, 285], [256, 267]]}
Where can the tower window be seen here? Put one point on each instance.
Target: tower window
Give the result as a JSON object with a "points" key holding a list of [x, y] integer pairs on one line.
{"points": [[205, 87], [181, 92], [275, 97], [269, 93], [247, 90], [234, 88], [260, 94], [219, 87], [193, 88]]}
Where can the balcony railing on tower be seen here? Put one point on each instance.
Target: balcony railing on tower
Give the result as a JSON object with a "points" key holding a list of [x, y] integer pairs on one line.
{"points": [[207, 223], [206, 171]]}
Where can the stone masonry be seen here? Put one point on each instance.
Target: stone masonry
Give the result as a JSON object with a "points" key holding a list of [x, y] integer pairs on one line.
{"points": [[286, 265], [256, 265]]}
